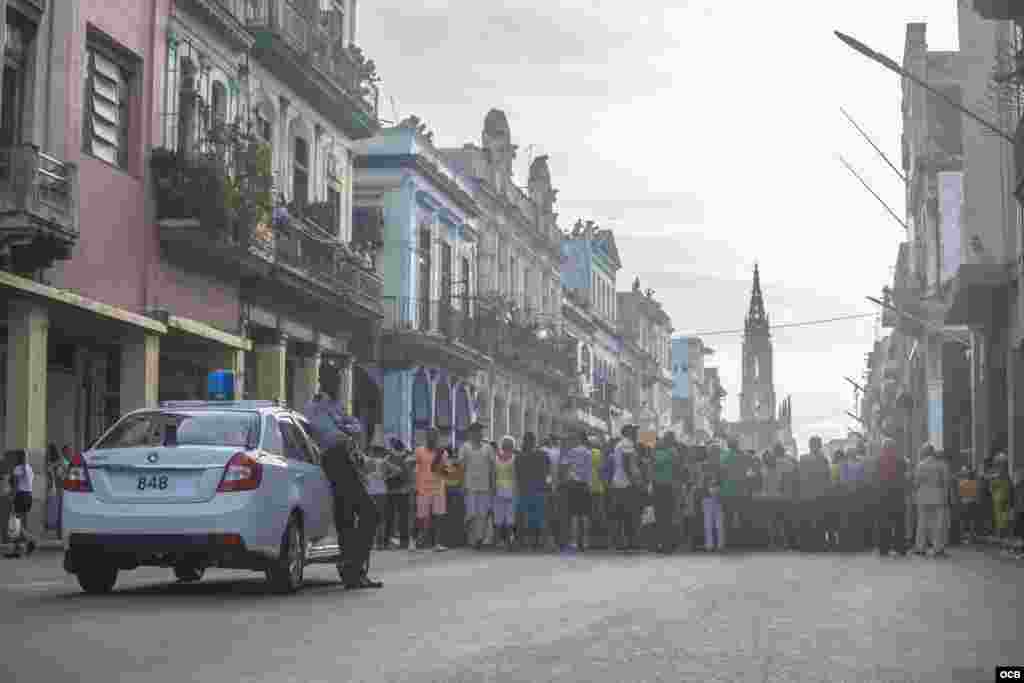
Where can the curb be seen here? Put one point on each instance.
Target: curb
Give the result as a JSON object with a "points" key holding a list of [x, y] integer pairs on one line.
{"points": [[45, 545]]}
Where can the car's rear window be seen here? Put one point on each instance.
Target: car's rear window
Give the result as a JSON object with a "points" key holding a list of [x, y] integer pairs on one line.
{"points": [[152, 429]]}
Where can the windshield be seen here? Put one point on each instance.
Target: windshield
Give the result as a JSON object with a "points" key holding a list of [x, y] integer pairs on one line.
{"points": [[149, 430]]}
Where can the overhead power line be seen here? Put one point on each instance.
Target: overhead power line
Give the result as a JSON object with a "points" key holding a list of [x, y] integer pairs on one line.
{"points": [[806, 323]]}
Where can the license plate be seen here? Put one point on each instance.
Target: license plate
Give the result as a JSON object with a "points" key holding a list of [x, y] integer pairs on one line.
{"points": [[160, 484]]}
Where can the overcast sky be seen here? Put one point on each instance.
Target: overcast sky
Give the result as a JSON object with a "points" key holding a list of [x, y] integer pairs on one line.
{"points": [[704, 133]]}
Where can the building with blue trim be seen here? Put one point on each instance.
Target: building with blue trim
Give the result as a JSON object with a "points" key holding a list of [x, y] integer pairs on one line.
{"points": [[590, 265], [431, 355]]}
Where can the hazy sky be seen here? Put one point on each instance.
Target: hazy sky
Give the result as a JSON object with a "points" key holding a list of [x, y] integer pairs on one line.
{"points": [[704, 133]]}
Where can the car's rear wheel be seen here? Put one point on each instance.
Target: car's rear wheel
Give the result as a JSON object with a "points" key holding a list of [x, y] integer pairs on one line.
{"points": [[97, 579], [286, 573], [188, 572]]}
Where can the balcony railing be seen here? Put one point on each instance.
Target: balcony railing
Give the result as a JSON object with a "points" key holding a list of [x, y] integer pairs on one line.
{"points": [[406, 314], [325, 48], [38, 184], [193, 190]]}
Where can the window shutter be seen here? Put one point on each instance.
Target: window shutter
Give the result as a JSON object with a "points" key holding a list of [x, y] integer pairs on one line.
{"points": [[106, 98]]}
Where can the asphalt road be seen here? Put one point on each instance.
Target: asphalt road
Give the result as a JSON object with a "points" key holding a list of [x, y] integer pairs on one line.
{"points": [[465, 616]]}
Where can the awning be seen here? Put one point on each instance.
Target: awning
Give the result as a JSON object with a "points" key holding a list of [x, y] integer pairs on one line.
{"points": [[974, 294]]}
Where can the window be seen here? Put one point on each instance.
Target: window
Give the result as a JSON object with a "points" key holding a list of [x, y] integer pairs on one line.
{"points": [[446, 274], [295, 446], [273, 443], [218, 104], [156, 429], [334, 202], [425, 265], [466, 291], [300, 174], [309, 441], [263, 128], [14, 85], [107, 100]]}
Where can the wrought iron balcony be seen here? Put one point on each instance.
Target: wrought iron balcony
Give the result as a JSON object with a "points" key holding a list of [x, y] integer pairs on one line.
{"points": [[198, 214], [299, 44], [38, 208], [420, 331]]}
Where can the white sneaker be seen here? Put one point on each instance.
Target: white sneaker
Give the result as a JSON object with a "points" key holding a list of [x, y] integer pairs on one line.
{"points": [[412, 546], [439, 548]]}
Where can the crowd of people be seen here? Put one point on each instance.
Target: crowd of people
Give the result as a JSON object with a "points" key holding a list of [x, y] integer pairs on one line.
{"points": [[578, 493]]}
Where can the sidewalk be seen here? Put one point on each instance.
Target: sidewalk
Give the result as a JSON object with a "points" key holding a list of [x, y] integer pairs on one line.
{"points": [[47, 544]]}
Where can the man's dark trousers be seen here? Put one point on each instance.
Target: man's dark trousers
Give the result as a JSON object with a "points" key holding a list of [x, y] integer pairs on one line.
{"points": [[812, 524], [355, 517], [891, 519]]}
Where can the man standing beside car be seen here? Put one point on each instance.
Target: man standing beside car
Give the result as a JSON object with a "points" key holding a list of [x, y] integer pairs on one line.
{"points": [[355, 513]]}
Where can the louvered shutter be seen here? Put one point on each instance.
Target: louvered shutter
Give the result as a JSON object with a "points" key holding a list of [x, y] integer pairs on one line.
{"points": [[107, 91]]}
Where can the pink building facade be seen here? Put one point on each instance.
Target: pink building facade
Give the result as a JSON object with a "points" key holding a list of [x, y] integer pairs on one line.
{"points": [[111, 300]]}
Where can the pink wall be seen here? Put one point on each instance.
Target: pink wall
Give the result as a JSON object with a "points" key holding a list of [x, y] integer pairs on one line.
{"points": [[117, 259]]}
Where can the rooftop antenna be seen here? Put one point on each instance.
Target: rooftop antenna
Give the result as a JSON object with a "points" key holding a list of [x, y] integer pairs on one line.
{"points": [[874, 194], [871, 142]]}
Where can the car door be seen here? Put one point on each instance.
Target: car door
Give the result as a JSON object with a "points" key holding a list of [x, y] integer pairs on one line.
{"points": [[323, 487], [306, 475]]}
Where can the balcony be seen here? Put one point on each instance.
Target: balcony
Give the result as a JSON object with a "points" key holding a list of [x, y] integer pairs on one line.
{"points": [[547, 360], [203, 219], [297, 47], [38, 209], [424, 332], [227, 17]]}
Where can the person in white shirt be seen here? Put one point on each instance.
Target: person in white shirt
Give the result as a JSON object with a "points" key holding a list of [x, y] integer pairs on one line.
{"points": [[23, 478]]}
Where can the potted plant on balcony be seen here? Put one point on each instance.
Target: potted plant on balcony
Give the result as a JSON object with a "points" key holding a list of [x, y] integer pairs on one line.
{"points": [[366, 71]]}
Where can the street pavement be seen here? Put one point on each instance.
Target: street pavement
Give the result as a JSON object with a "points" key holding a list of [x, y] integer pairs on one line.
{"points": [[467, 616]]}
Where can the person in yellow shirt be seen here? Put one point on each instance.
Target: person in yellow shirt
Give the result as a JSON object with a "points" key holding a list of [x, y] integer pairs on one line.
{"points": [[598, 489]]}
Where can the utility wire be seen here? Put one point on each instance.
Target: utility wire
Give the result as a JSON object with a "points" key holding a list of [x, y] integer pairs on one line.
{"points": [[776, 327]]}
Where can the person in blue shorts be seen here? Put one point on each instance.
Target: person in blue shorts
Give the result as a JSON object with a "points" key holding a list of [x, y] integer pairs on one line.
{"points": [[532, 470]]}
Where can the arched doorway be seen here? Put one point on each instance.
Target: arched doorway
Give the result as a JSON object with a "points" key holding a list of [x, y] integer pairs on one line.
{"points": [[420, 402], [515, 425], [543, 424], [443, 410], [499, 426], [462, 413], [367, 404]]}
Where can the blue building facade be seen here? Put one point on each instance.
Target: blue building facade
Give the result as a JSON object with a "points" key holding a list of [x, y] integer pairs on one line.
{"points": [[431, 362]]}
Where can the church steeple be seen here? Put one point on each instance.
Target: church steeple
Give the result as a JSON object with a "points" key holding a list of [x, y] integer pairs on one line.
{"points": [[756, 317]]}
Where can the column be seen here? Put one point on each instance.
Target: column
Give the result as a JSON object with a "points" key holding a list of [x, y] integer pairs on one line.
{"points": [[307, 379], [27, 332], [270, 373], [140, 372], [234, 360], [347, 392], [980, 443]]}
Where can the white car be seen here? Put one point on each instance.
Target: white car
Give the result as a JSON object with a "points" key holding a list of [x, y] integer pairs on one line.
{"points": [[197, 484]]}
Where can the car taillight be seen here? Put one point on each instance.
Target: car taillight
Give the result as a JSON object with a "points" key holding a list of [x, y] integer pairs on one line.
{"points": [[242, 473], [77, 478]]}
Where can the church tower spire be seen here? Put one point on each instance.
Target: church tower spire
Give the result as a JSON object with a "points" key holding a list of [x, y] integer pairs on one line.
{"points": [[757, 399], [756, 316]]}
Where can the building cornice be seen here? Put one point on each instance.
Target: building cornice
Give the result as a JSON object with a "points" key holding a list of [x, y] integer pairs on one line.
{"points": [[429, 170]]}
